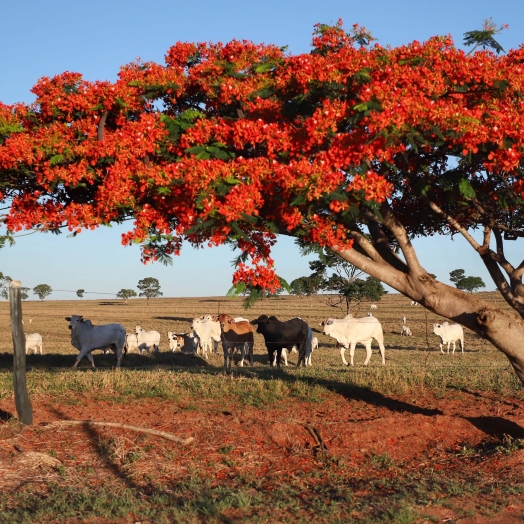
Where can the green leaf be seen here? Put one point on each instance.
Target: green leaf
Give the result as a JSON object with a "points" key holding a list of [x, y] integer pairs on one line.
{"points": [[236, 290], [361, 107], [264, 67], [56, 159], [466, 189]]}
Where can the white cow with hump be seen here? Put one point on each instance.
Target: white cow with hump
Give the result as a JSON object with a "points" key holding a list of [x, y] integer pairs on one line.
{"points": [[350, 331], [207, 329], [87, 337], [449, 333]]}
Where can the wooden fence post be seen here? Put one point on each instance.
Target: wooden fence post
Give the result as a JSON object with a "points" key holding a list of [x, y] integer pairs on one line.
{"points": [[23, 404]]}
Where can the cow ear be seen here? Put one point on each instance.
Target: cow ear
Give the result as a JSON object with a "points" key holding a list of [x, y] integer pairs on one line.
{"points": [[68, 319], [329, 322]]}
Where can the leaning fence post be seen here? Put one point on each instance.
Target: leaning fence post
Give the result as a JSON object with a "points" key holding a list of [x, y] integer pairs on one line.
{"points": [[22, 402]]}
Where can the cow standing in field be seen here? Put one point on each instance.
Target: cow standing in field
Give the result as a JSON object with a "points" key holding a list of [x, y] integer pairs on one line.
{"points": [[449, 333], [350, 331], [236, 335], [131, 342], [33, 341], [278, 335], [87, 337], [208, 331], [147, 340]]}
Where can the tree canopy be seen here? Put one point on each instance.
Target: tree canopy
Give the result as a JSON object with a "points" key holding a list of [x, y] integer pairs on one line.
{"points": [[340, 280], [126, 294], [353, 146], [42, 291], [459, 278], [149, 287]]}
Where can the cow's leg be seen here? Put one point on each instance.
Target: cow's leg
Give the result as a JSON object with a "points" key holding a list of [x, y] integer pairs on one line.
{"points": [[453, 342], [272, 357], [352, 346], [382, 352], [441, 349], [284, 356], [342, 352], [368, 352], [242, 355], [250, 351]]}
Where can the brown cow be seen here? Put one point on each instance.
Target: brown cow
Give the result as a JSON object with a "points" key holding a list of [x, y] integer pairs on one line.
{"points": [[236, 335]]}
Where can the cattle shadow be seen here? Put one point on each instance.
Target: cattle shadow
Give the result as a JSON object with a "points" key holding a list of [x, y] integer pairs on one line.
{"points": [[54, 362]]}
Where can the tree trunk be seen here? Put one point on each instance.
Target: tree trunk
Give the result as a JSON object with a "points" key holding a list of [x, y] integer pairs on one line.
{"points": [[505, 330]]}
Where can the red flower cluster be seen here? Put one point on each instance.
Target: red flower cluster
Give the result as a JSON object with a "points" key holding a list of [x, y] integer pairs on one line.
{"points": [[238, 142]]}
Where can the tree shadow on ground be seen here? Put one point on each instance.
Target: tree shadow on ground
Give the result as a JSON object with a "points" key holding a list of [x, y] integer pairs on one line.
{"points": [[176, 319], [497, 427], [5, 415], [101, 446]]}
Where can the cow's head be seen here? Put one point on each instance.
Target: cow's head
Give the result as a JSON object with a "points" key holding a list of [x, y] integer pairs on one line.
{"points": [[74, 320], [326, 322], [261, 322]]}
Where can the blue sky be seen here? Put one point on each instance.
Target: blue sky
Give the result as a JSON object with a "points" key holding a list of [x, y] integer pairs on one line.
{"points": [[95, 38]]}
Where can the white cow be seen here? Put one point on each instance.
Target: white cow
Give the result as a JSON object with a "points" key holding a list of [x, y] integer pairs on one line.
{"points": [[147, 340], [131, 342], [172, 339], [33, 341], [449, 333], [405, 331], [413, 303], [373, 306], [207, 329], [351, 331], [87, 337]]}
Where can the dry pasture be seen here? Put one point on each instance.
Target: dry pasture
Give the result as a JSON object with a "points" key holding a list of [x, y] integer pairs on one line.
{"points": [[425, 438]]}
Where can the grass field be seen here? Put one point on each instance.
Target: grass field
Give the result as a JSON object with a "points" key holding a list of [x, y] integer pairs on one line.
{"points": [[425, 438]]}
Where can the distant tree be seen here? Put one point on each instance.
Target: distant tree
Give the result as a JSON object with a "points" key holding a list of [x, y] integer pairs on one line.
{"points": [[125, 294], [149, 287], [80, 293], [42, 291], [4, 286], [339, 279], [24, 295], [471, 284]]}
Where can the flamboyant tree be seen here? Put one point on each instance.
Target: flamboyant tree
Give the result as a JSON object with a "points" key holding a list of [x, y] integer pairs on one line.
{"points": [[354, 147]]}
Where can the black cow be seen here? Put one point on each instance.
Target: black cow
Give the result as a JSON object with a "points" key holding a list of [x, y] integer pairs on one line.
{"points": [[278, 335]]}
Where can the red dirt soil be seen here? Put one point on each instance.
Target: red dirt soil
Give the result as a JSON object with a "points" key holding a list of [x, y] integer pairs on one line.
{"points": [[454, 433]]}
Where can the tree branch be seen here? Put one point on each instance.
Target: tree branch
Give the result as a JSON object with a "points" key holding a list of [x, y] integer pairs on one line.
{"points": [[401, 236], [101, 124], [463, 231], [381, 242], [157, 433]]}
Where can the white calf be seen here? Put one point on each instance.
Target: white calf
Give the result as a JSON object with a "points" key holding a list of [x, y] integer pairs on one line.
{"points": [[405, 331], [33, 341]]}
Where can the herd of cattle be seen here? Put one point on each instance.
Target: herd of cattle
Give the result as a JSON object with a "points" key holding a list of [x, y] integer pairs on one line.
{"points": [[237, 334]]}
